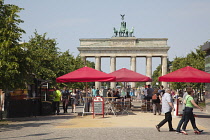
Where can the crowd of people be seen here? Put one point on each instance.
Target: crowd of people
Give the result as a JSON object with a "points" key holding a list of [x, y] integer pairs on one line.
{"points": [[74, 97], [161, 99]]}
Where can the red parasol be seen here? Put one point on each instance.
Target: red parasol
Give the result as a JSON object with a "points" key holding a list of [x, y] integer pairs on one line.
{"points": [[85, 74], [125, 75], [186, 74]]}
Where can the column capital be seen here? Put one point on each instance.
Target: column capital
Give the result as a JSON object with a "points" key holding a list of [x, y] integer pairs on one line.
{"points": [[83, 57], [133, 56], [148, 56], [164, 56]]}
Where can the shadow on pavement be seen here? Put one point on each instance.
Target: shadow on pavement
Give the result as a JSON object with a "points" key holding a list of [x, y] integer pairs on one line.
{"points": [[205, 133], [57, 138], [19, 123], [12, 127], [36, 136], [42, 118], [203, 116]]}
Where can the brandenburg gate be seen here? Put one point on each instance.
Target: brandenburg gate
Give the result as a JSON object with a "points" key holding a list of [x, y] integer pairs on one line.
{"points": [[124, 44]]}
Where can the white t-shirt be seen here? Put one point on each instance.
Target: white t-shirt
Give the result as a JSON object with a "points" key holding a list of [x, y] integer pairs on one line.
{"points": [[145, 92], [165, 100]]}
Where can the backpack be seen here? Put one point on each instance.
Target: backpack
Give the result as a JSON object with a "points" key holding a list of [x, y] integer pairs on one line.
{"points": [[154, 97]]}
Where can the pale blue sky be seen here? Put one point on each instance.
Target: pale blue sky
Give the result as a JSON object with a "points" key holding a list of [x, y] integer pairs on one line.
{"points": [[185, 23]]}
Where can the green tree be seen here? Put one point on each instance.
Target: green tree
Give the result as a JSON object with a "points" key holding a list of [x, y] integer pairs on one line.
{"points": [[47, 63], [66, 63], [11, 52], [41, 59], [39, 56]]}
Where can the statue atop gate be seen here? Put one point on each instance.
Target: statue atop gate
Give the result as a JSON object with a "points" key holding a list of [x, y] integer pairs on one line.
{"points": [[122, 16], [123, 31]]}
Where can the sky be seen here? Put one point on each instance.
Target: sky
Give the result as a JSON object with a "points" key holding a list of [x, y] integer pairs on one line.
{"points": [[185, 23]]}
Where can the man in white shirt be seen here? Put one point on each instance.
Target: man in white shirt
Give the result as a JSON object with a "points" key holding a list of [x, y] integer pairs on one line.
{"points": [[167, 108]]}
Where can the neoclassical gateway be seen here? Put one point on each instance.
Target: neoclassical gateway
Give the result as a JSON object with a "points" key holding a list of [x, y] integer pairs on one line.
{"points": [[124, 44]]}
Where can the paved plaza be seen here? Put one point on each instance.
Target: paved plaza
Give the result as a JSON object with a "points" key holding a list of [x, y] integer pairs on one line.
{"points": [[136, 125]]}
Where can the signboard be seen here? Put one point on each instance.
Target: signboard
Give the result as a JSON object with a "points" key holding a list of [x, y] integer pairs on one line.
{"points": [[98, 106]]}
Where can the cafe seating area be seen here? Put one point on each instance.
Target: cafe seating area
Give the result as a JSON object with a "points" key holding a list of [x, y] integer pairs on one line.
{"points": [[113, 106]]}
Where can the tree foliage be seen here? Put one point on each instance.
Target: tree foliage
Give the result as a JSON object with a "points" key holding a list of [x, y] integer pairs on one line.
{"points": [[47, 63], [67, 63], [11, 53], [39, 56]]}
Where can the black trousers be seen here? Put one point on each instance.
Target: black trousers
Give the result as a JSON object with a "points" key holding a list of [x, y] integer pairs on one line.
{"points": [[168, 118], [56, 107], [189, 116], [182, 121]]}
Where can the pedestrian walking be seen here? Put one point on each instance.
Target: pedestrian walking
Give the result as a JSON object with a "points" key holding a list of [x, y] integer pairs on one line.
{"points": [[167, 108], [156, 102], [74, 100], [188, 114], [56, 101], [149, 92], [65, 99]]}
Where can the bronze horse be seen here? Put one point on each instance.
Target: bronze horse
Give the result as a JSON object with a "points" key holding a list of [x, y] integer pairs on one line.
{"points": [[115, 32]]}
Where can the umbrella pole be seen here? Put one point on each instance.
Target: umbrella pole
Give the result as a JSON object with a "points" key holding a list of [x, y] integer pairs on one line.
{"points": [[86, 89], [86, 101], [125, 89]]}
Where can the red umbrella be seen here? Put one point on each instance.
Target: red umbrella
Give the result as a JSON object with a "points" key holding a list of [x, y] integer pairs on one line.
{"points": [[186, 74], [85, 74], [125, 75]]}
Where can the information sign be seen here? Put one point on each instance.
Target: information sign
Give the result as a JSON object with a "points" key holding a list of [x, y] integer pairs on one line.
{"points": [[98, 106]]}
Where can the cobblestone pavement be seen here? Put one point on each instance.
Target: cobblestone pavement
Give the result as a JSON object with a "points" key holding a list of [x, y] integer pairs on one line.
{"points": [[136, 125]]}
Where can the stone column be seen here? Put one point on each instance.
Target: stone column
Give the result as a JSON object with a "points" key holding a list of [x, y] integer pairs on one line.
{"points": [[98, 67], [148, 67], [112, 69], [83, 59], [133, 68], [164, 69]]}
